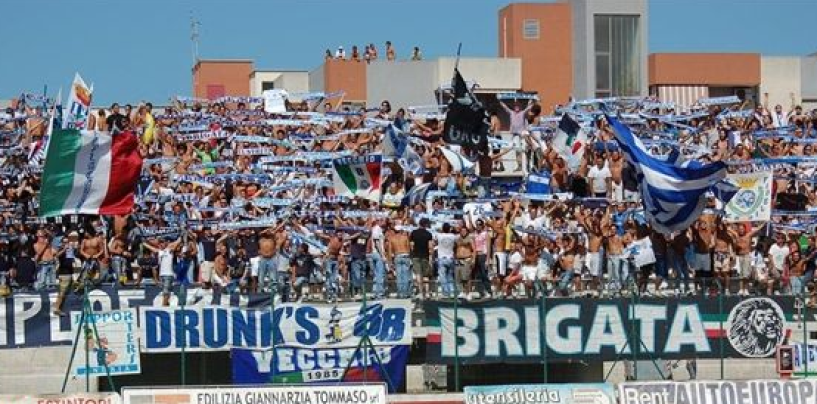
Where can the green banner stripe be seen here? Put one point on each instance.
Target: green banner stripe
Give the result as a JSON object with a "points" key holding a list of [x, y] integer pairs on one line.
{"points": [[58, 173]]}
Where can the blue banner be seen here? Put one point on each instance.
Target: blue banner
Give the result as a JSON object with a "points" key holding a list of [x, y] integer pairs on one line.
{"points": [[301, 365]]}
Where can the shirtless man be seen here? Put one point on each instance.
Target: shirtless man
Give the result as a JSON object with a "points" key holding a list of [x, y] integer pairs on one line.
{"points": [[331, 264], [616, 166], [398, 249], [45, 256], [595, 238], [530, 263], [614, 248], [743, 251], [501, 246], [91, 251], [723, 256], [119, 256], [566, 262], [464, 254], [221, 275], [266, 261], [702, 234]]}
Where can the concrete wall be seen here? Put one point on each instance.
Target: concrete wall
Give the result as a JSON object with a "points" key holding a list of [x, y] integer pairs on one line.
{"points": [[808, 76], [234, 75], [402, 83], [345, 75], [547, 61], [39, 371], [316, 79], [414, 83], [292, 81], [584, 60], [780, 77], [710, 69]]}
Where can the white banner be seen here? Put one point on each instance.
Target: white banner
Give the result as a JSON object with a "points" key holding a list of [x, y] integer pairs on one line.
{"points": [[312, 394], [753, 203], [79, 398], [275, 101], [719, 392], [304, 325], [117, 346]]}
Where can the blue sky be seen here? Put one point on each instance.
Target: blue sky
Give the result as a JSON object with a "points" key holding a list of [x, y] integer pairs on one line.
{"points": [[141, 50]]}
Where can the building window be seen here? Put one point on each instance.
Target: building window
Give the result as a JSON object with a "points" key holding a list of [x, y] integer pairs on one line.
{"points": [[530, 29], [617, 45], [267, 85]]}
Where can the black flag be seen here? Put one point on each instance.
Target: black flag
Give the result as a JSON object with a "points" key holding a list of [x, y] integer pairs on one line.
{"points": [[466, 122]]}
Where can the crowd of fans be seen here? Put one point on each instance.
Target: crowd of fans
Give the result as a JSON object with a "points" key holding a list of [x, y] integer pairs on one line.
{"points": [[209, 192], [369, 53]]}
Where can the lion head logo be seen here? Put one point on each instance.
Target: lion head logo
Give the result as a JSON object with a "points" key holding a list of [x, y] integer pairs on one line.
{"points": [[756, 327]]}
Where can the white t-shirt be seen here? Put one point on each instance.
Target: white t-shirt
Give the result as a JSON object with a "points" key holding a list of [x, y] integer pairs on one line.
{"points": [[515, 262], [378, 237], [778, 255], [166, 263], [445, 244], [599, 176]]}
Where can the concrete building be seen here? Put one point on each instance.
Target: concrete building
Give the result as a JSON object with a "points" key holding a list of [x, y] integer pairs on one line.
{"points": [[336, 75], [412, 83], [609, 48], [683, 78], [220, 77], [540, 35], [579, 48], [294, 81], [789, 80]]}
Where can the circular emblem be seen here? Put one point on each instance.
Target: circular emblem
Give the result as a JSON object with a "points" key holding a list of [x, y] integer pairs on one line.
{"points": [[365, 184], [755, 327]]}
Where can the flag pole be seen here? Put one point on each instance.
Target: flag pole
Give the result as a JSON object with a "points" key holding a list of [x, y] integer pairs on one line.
{"points": [[457, 62]]}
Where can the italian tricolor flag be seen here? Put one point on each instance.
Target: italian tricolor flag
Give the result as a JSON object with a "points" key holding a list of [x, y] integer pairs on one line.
{"points": [[89, 172], [358, 176]]}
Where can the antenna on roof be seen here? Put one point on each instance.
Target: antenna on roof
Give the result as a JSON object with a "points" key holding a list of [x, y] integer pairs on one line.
{"points": [[194, 37]]}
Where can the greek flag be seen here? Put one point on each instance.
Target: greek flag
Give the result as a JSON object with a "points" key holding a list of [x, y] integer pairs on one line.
{"points": [[674, 193]]}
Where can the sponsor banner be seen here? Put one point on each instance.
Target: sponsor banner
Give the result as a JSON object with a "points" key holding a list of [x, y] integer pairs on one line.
{"points": [[589, 393], [302, 365], [166, 329], [334, 394], [719, 392], [517, 331], [753, 202], [117, 346], [26, 320], [78, 398], [804, 359]]}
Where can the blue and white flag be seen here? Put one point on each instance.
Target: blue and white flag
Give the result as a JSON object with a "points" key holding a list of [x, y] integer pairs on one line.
{"points": [[459, 163], [674, 193], [417, 194]]}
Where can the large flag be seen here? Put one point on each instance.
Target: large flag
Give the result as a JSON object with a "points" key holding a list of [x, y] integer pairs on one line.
{"points": [[79, 104], [466, 122], [89, 172], [674, 195], [396, 144], [570, 141], [38, 149], [358, 176]]}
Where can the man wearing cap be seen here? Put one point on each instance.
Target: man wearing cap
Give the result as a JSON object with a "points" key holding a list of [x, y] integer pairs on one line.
{"points": [[66, 255]]}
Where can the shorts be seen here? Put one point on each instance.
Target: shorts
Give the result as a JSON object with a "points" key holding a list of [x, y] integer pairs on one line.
{"points": [[254, 266], [703, 262], [722, 262], [501, 264], [300, 281], [594, 264], [167, 285], [65, 283], [529, 273], [745, 266], [464, 268], [206, 271], [422, 267]]}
